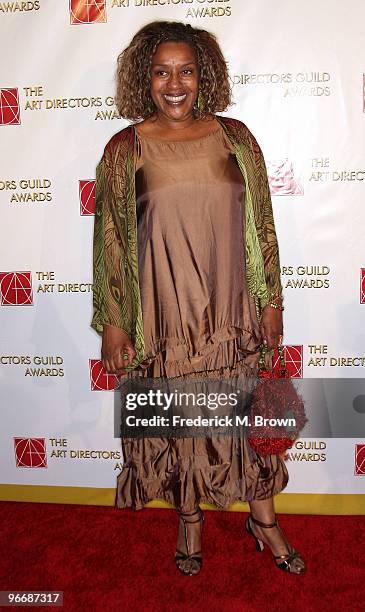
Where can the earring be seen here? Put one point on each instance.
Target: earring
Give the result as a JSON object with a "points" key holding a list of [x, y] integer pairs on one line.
{"points": [[201, 102]]}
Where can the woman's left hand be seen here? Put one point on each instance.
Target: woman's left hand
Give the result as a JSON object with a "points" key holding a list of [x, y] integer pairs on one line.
{"points": [[271, 326]]}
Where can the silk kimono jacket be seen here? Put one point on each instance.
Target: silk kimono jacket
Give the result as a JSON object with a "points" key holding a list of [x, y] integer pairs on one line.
{"points": [[116, 291]]}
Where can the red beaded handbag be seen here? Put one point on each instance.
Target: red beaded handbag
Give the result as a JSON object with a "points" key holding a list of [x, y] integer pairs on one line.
{"points": [[277, 412]]}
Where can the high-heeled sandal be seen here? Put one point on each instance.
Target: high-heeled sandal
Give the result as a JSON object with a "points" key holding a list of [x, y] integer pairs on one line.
{"points": [[287, 563], [195, 556]]}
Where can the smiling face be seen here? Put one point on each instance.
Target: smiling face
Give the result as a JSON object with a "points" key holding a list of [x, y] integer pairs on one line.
{"points": [[174, 80]]}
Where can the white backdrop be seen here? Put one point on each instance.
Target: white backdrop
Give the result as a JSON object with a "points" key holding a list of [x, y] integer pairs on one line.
{"points": [[297, 75]]}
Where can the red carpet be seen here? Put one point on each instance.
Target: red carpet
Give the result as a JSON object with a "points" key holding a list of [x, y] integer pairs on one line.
{"points": [[109, 559]]}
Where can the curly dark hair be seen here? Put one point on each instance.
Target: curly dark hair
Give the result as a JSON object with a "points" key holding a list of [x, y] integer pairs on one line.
{"points": [[133, 97]]}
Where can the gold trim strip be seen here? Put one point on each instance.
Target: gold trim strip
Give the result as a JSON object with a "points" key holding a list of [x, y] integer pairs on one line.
{"points": [[285, 503]]}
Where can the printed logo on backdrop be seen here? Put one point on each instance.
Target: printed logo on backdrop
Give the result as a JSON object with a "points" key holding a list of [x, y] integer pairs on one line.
{"points": [[286, 180], [305, 277], [16, 289], [308, 451], [198, 9], [289, 84], [14, 7], [293, 354], [281, 178], [362, 286], [48, 285], [360, 460], [87, 11], [35, 365], [320, 356], [30, 452], [27, 190], [99, 377], [9, 106], [322, 173], [102, 107], [87, 197]]}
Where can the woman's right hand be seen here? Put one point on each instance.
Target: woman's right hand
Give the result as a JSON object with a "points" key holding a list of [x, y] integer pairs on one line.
{"points": [[115, 344]]}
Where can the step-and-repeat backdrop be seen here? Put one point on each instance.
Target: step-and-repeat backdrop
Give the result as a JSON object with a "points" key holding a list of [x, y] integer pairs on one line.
{"points": [[296, 69]]}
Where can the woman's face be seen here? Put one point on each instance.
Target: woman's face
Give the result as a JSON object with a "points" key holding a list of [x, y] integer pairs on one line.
{"points": [[174, 80]]}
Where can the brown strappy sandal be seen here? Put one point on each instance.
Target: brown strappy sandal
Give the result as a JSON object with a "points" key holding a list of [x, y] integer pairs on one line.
{"points": [[287, 560], [194, 556]]}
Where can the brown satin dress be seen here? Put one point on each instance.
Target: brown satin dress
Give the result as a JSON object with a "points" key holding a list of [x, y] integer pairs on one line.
{"points": [[199, 320]]}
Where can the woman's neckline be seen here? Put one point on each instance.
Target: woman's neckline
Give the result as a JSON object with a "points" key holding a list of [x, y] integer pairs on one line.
{"points": [[155, 138]]}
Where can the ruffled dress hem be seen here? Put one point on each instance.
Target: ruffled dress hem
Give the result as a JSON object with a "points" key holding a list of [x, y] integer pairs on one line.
{"points": [[261, 480]]}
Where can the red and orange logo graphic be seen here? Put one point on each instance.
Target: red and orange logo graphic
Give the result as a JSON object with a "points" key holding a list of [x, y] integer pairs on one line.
{"points": [[16, 289], [293, 354], [362, 286], [281, 178], [30, 452], [87, 197], [100, 379], [87, 11], [9, 106], [359, 459]]}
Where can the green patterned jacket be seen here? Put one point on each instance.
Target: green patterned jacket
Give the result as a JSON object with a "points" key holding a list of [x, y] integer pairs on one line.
{"points": [[116, 293]]}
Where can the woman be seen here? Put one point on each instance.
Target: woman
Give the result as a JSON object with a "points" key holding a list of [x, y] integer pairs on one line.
{"points": [[187, 275]]}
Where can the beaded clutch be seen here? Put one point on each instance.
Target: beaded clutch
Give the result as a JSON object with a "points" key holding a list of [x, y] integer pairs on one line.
{"points": [[277, 412]]}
